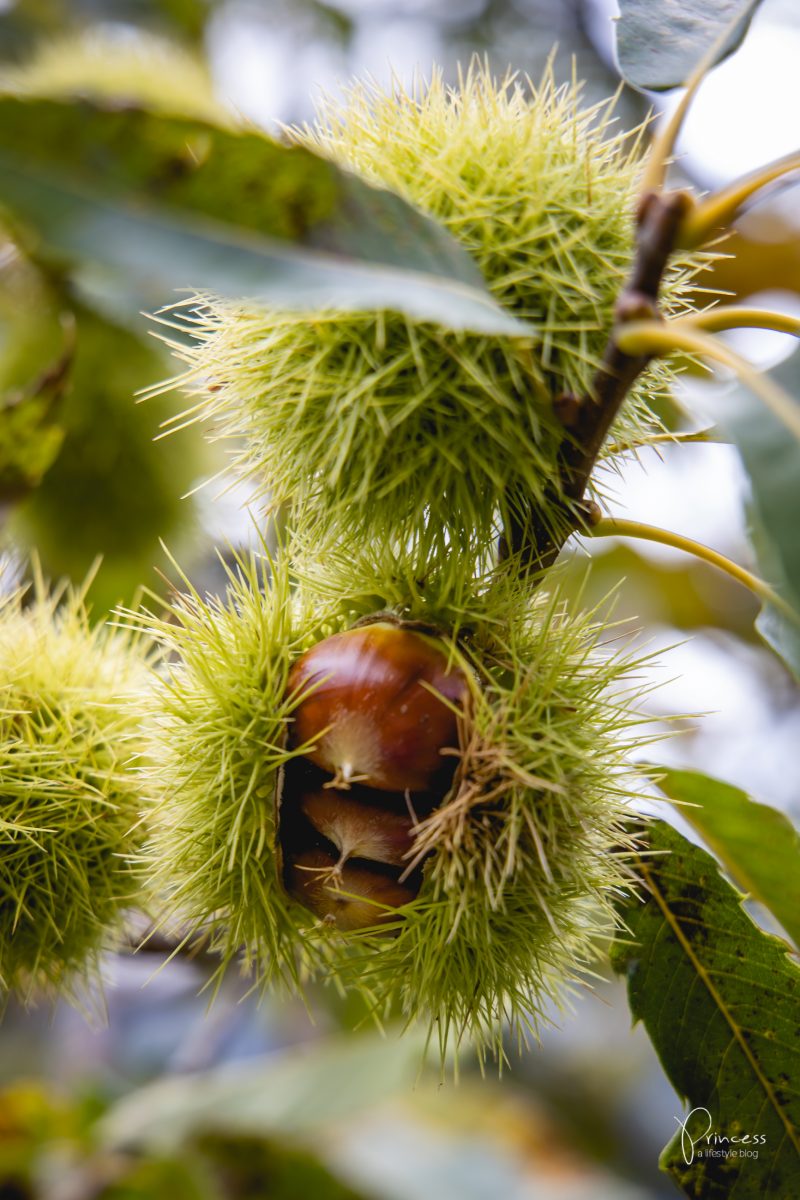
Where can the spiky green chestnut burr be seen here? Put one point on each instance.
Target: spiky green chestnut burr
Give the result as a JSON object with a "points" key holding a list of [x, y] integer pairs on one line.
{"points": [[505, 889], [374, 419], [219, 750], [521, 859], [71, 798]]}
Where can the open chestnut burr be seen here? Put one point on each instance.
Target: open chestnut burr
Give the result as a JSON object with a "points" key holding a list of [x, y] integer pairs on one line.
{"points": [[377, 727]]}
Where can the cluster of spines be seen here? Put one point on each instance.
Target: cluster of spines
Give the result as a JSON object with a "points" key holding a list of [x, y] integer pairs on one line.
{"points": [[72, 794], [218, 742], [403, 449], [523, 856], [110, 63]]}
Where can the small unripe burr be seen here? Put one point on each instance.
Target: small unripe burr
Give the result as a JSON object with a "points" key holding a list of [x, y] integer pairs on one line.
{"points": [[73, 794], [346, 896], [359, 828], [379, 706]]}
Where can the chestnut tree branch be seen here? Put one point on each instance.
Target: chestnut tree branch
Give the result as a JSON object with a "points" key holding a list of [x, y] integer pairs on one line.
{"points": [[588, 419]]}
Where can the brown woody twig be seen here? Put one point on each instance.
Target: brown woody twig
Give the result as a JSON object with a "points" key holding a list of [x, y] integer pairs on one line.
{"points": [[588, 419]]}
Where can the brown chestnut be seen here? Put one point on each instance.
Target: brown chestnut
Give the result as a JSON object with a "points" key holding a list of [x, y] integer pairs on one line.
{"points": [[346, 896], [358, 828], [379, 706]]}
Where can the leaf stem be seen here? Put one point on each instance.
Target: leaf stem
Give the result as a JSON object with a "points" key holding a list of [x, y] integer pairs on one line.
{"points": [[720, 209], [660, 217], [615, 527], [660, 338], [735, 316]]}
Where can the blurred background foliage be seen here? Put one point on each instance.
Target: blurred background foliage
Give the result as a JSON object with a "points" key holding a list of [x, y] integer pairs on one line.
{"points": [[81, 476], [107, 487]]}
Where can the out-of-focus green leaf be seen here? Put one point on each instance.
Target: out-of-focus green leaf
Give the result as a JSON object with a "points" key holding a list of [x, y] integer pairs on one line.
{"points": [[113, 491], [38, 1126], [141, 204], [720, 1001], [186, 17], [259, 1167], [772, 461], [31, 432], [757, 845], [293, 1091], [659, 44], [27, 21], [780, 634]]}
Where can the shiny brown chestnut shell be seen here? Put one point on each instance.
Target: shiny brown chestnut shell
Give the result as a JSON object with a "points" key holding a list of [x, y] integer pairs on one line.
{"points": [[379, 706], [355, 898]]}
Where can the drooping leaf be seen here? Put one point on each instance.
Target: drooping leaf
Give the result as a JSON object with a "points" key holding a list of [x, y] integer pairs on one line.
{"points": [[660, 44], [141, 204], [720, 1001], [772, 462], [114, 491], [290, 1092], [759, 846]]}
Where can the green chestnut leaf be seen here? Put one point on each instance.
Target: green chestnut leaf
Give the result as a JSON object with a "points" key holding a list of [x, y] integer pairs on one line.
{"points": [[757, 845], [720, 1001], [659, 45], [140, 204]]}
